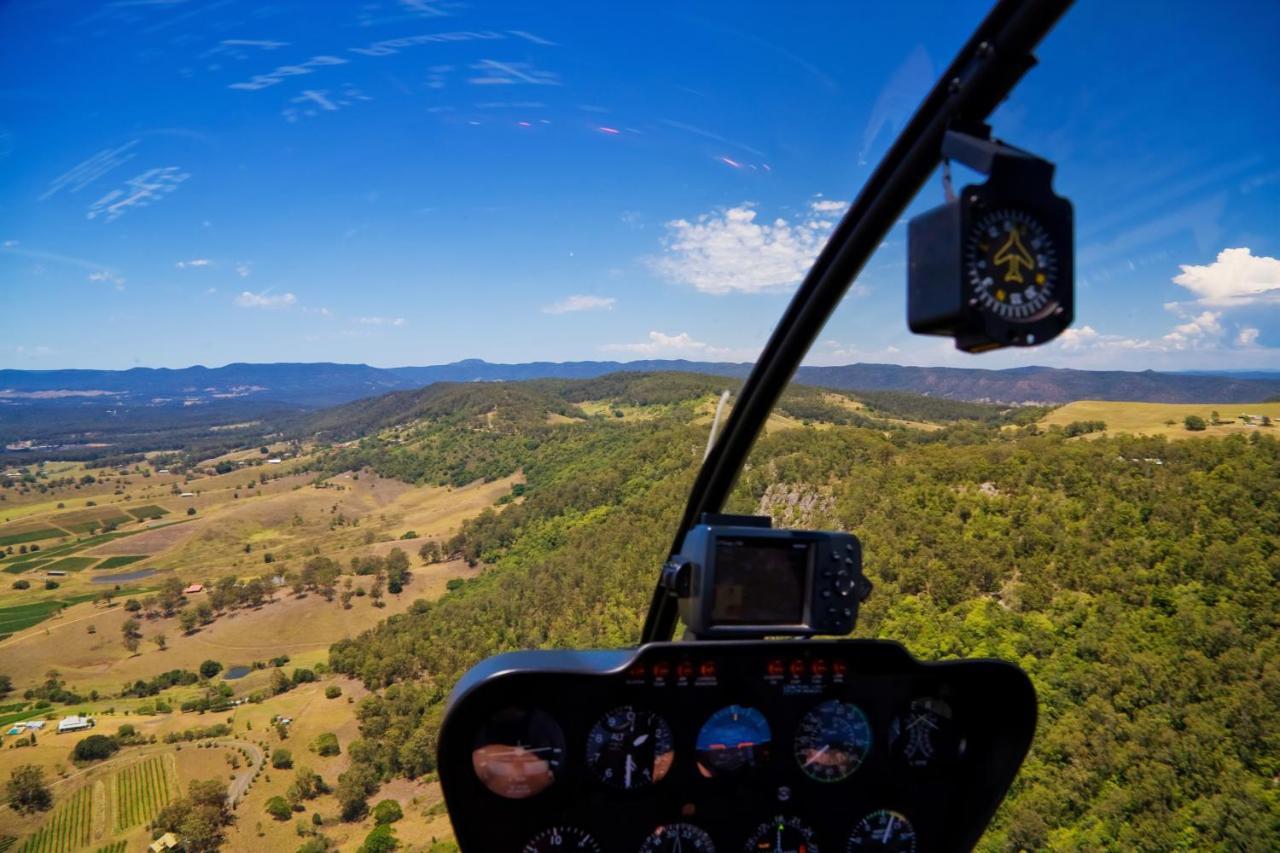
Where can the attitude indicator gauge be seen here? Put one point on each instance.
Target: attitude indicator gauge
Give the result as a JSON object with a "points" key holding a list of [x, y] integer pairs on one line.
{"points": [[630, 748], [782, 835], [562, 838], [733, 740]]}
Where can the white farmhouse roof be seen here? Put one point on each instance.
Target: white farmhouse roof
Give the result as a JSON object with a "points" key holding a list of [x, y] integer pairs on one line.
{"points": [[74, 724]]}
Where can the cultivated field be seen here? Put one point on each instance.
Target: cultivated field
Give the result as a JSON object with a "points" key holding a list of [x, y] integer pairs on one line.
{"points": [[140, 790]]}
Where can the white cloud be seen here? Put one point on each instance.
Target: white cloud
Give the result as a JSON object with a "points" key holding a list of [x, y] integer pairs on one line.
{"points": [[581, 302], [243, 270], [1088, 338], [381, 321], [1201, 333], [1197, 331], [659, 342], [108, 277], [1237, 277], [682, 344], [10, 244], [265, 300], [729, 251], [196, 262], [829, 206]]}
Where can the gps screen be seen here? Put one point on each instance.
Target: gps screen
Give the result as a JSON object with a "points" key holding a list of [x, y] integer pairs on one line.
{"points": [[759, 581]]}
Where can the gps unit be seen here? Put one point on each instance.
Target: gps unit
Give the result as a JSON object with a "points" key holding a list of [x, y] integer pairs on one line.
{"points": [[736, 576]]}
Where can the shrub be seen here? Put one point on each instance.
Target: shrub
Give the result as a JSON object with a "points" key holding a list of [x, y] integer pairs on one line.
{"points": [[21, 584], [282, 759], [278, 807], [94, 748], [1193, 423], [50, 584], [133, 605], [333, 691], [326, 744], [387, 811], [210, 668], [381, 840]]}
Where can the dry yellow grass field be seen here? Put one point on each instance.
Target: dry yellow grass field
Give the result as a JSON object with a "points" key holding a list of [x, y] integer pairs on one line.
{"points": [[290, 516], [1155, 418]]}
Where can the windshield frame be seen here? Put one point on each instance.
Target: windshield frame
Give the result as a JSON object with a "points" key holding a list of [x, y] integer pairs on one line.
{"points": [[986, 69]]}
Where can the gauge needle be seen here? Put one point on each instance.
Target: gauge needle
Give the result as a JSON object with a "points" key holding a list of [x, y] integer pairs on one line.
{"points": [[628, 766], [817, 755], [888, 830], [778, 846], [640, 740]]}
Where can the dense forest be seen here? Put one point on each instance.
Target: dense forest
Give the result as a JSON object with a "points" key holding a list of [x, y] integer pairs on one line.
{"points": [[1136, 580]]}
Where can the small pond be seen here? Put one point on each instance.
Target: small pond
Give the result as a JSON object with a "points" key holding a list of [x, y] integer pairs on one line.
{"points": [[239, 671]]}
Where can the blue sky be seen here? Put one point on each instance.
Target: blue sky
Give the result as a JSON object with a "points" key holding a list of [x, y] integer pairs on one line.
{"points": [[413, 182]]}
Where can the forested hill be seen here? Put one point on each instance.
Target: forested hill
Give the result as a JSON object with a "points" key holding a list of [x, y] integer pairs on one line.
{"points": [[507, 406], [317, 385], [1137, 580]]}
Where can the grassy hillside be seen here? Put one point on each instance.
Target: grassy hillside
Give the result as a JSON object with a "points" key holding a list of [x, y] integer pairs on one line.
{"points": [[1167, 419]]}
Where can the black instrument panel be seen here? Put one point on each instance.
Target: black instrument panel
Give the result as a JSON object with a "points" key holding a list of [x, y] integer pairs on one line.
{"points": [[843, 745]]}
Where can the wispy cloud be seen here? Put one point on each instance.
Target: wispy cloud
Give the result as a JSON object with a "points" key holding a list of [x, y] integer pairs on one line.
{"points": [[728, 251], [1236, 277], [139, 191], [108, 277], [70, 260], [265, 300], [381, 321], [243, 269], [581, 302], [196, 262]]}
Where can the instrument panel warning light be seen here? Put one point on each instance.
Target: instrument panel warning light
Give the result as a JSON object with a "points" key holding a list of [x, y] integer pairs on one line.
{"points": [[818, 668], [774, 668], [839, 668], [797, 668], [707, 669], [637, 672], [661, 670], [684, 670]]}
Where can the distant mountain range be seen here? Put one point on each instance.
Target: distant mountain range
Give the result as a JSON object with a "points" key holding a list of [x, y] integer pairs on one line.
{"points": [[317, 385]]}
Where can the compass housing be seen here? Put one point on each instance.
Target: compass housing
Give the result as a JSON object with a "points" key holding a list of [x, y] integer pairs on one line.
{"points": [[993, 268]]}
